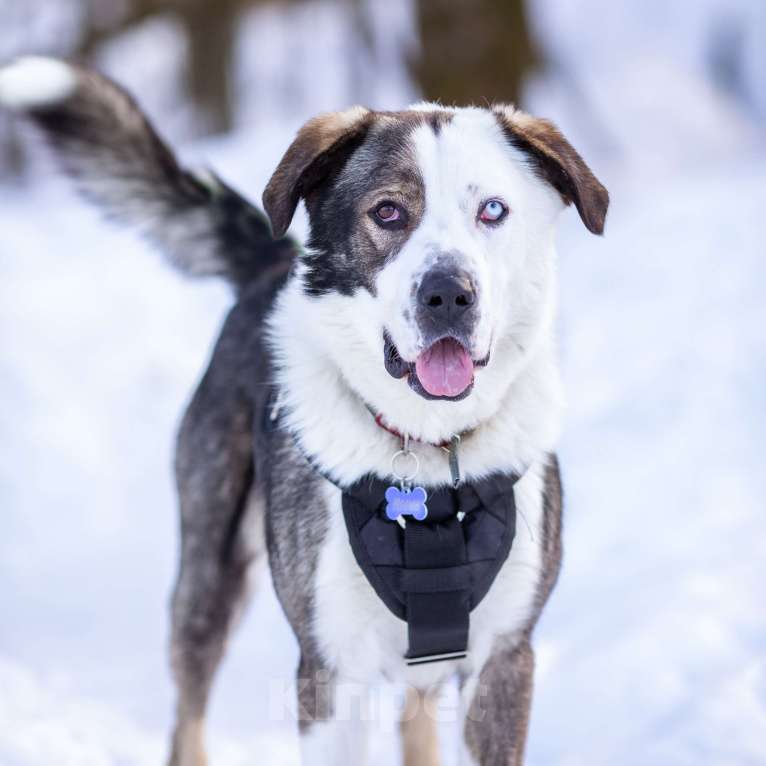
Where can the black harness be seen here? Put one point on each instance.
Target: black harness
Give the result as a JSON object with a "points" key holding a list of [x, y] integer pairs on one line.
{"points": [[430, 573], [433, 573]]}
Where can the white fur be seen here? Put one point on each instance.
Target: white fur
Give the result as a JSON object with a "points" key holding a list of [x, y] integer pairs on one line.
{"points": [[464, 165], [32, 82], [330, 363], [338, 742]]}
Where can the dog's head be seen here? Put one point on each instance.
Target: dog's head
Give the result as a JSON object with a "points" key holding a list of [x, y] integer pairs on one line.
{"points": [[431, 240]]}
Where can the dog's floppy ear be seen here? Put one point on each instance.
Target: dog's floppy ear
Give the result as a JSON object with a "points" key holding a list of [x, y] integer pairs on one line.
{"points": [[322, 145], [556, 161]]}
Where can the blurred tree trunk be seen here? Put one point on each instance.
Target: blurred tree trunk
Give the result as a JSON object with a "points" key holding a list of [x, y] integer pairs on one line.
{"points": [[211, 32], [473, 51], [11, 152], [210, 28]]}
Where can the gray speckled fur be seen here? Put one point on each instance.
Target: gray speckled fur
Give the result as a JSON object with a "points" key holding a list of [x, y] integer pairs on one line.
{"points": [[228, 451]]}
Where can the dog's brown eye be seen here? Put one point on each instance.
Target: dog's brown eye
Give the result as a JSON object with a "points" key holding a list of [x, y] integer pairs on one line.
{"points": [[387, 212], [389, 215], [493, 211]]}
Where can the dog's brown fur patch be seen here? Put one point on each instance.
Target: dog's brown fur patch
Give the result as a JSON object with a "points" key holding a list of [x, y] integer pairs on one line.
{"points": [[557, 161], [316, 147]]}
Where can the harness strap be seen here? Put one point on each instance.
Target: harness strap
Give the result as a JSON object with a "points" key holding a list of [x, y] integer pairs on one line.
{"points": [[437, 601]]}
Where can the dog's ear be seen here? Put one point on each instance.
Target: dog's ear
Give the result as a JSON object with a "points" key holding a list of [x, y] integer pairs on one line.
{"points": [[321, 147], [556, 161]]}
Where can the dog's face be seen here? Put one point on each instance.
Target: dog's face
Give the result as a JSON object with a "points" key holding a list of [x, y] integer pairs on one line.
{"points": [[431, 239]]}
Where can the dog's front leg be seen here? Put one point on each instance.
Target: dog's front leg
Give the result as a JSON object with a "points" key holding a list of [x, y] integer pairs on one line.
{"points": [[334, 716], [497, 708]]}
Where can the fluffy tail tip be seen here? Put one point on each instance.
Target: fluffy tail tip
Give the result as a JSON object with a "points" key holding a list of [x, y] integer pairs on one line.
{"points": [[36, 82]]}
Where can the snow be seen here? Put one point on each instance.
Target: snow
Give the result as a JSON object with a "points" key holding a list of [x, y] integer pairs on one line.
{"points": [[654, 638], [651, 648]]}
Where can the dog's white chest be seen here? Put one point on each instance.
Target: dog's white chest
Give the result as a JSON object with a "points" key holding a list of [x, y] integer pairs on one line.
{"points": [[359, 636]]}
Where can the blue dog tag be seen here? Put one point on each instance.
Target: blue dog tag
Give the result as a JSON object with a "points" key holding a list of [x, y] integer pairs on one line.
{"points": [[406, 502]]}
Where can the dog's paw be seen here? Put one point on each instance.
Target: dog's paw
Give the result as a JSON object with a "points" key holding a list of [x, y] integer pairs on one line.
{"points": [[36, 82]]}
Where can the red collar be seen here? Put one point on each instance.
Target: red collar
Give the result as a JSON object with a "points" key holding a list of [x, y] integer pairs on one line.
{"points": [[399, 435]]}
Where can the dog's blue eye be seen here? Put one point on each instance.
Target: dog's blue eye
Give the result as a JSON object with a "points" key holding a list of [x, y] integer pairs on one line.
{"points": [[493, 211]]}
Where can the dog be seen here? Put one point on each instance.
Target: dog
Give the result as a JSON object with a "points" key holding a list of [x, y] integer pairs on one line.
{"points": [[410, 341]]}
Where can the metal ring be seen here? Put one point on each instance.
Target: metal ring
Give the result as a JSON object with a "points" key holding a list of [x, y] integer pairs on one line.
{"points": [[406, 476]]}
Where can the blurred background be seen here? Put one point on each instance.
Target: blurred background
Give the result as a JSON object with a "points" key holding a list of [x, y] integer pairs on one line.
{"points": [[652, 648]]}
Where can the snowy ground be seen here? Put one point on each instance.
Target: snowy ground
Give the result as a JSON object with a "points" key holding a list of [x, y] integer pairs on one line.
{"points": [[651, 649]]}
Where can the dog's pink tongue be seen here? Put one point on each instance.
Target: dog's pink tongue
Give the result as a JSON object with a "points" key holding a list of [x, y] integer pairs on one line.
{"points": [[445, 369]]}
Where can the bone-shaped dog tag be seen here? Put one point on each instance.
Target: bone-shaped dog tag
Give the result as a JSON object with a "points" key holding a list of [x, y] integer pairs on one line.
{"points": [[406, 502]]}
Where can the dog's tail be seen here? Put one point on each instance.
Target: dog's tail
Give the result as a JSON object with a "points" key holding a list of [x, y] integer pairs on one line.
{"points": [[107, 145]]}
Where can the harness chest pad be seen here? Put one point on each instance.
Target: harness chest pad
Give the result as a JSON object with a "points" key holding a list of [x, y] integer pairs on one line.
{"points": [[433, 573]]}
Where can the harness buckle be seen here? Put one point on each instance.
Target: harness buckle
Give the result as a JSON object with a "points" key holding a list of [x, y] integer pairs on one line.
{"points": [[425, 658]]}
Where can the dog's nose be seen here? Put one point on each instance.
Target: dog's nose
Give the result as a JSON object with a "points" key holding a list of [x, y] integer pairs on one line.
{"points": [[446, 294]]}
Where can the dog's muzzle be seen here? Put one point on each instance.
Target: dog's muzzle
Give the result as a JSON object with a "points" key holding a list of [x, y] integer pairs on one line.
{"points": [[446, 314]]}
